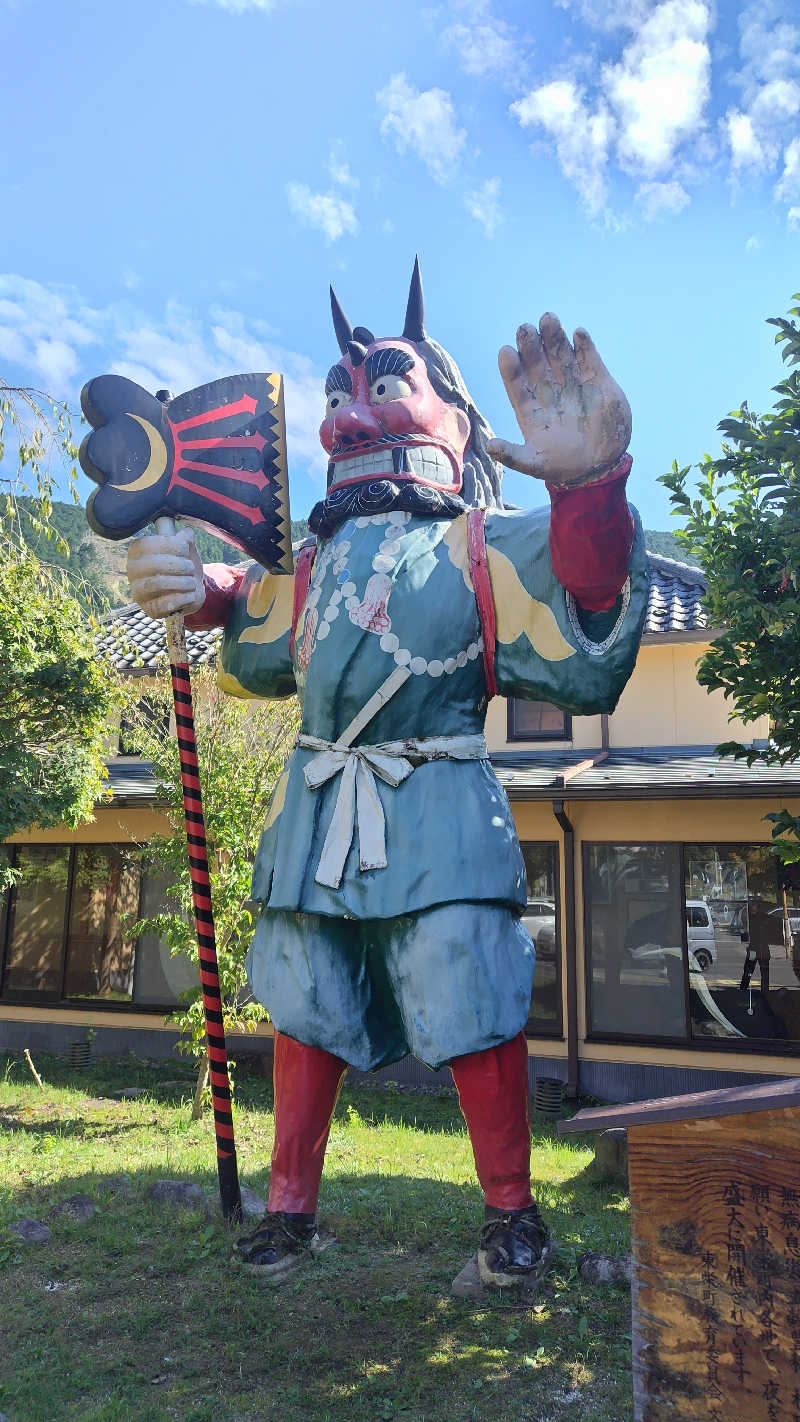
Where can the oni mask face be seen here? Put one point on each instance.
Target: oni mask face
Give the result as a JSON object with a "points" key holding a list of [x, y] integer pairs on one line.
{"points": [[385, 420]]}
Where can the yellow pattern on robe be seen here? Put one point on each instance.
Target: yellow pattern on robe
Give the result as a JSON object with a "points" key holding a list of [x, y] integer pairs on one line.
{"points": [[515, 610], [271, 599]]}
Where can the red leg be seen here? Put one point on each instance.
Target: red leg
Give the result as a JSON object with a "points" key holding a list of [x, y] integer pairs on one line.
{"points": [[493, 1090], [307, 1082]]}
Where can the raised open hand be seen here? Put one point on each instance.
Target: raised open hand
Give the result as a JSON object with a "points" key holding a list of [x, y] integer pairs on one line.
{"points": [[574, 419]]}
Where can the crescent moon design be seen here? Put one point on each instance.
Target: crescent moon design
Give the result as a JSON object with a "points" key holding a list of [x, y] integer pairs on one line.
{"points": [[157, 462]]}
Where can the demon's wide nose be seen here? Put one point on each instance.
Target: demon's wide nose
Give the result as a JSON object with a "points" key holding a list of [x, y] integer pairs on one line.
{"points": [[356, 425]]}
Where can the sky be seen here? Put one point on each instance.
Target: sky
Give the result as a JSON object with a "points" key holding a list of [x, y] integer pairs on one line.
{"points": [[181, 180]]}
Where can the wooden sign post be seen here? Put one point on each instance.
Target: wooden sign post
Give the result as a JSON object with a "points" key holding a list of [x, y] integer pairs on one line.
{"points": [[715, 1197]]}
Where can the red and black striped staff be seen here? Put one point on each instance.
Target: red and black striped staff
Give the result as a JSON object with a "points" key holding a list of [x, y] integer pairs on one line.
{"points": [[230, 1194]]}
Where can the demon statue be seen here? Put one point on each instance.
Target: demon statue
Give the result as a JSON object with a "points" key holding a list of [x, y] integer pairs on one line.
{"points": [[389, 875]]}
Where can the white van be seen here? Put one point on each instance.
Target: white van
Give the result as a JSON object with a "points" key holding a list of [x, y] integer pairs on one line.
{"points": [[700, 933]]}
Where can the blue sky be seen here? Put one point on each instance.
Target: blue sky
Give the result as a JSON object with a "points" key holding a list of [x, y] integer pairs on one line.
{"points": [[182, 178]]}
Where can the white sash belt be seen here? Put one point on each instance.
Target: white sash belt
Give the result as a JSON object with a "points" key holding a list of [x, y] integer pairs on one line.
{"points": [[358, 803]]}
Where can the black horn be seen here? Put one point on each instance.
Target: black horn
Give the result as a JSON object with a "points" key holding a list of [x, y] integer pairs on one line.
{"points": [[414, 329], [341, 325]]}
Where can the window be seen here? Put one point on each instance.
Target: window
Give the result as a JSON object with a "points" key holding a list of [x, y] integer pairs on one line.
{"points": [[744, 959], [542, 920], [695, 943], [64, 938], [634, 940], [537, 721]]}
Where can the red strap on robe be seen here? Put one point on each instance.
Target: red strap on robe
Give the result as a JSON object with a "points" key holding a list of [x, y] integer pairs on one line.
{"points": [[591, 535], [482, 585], [302, 578]]}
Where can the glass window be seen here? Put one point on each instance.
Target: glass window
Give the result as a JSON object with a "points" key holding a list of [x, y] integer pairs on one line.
{"points": [[35, 939], [105, 893], [634, 940], [160, 978], [537, 721], [542, 920], [743, 944]]}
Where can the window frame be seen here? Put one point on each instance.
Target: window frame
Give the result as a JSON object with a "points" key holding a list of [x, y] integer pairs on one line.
{"points": [[513, 734], [26, 998]]}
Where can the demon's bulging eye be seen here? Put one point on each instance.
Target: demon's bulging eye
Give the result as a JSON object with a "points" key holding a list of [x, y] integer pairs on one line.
{"points": [[337, 399], [388, 387]]}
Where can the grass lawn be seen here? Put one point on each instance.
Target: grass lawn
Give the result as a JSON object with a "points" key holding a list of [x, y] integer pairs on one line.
{"points": [[139, 1313]]}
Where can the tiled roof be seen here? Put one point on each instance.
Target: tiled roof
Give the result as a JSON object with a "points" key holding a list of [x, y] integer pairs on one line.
{"points": [[135, 641], [676, 597], [634, 773], [671, 772]]}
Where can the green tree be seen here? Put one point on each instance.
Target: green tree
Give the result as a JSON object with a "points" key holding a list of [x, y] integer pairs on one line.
{"points": [[742, 523], [241, 749], [57, 696]]}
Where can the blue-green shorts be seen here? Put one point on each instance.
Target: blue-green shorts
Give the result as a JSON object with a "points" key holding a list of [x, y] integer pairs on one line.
{"points": [[440, 983]]}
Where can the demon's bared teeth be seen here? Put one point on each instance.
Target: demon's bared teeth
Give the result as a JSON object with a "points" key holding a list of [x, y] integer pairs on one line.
{"points": [[430, 464], [400, 460]]}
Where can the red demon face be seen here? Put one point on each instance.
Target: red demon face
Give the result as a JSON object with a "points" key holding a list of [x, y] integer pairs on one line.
{"points": [[385, 420]]}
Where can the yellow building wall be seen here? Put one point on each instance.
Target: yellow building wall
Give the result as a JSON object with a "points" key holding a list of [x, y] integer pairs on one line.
{"points": [[110, 825], [662, 705]]}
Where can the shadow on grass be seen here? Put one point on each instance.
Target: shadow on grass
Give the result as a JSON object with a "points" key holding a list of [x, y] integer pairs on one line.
{"points": [[140, 1314]]}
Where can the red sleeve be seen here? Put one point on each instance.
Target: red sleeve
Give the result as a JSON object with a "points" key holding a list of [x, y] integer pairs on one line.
{"points": [[591, 535], [221, 584]]}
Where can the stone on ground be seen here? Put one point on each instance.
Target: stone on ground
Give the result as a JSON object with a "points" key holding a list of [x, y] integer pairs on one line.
{"points": [[179, 1192], [129, 1093], [469, 1284], [118, 1184], [611, 1155], [79, 1208], [605, 1268], [31, 1231]]}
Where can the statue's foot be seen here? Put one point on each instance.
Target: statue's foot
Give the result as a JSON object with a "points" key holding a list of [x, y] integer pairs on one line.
{"points": [[280, 1243], [514, 1248]]}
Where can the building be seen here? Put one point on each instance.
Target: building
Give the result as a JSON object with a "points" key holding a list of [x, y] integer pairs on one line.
{"points": [[648, 865]]}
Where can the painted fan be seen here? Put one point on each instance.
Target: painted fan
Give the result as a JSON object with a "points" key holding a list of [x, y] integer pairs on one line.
{"points": [[215, 456]]}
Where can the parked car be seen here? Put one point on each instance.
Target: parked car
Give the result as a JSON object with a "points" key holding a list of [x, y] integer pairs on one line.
{"points": [[540, 920], [700, 933], [647, 940]]}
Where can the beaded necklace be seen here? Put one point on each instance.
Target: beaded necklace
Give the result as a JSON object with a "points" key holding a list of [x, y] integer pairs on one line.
{"points": [[369, 612]]}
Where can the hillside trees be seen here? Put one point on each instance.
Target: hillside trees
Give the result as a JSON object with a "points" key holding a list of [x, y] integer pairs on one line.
{"points": [[743, 524], [57, 696]]}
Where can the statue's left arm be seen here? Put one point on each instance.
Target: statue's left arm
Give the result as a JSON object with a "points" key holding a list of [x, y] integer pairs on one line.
{"points": [[570, 590]]}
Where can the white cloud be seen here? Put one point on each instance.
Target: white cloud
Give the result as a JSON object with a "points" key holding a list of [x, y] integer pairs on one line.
{"points": [[793, 218], [333, 215], [661, 199], [661, 85], [582, 138], [484, 205], [746, 148], [54, 336], [762, 129], [423, 122], [486, 45], [609, 14], [788, 185], [238, 7], [752, 244], [339, 168]]}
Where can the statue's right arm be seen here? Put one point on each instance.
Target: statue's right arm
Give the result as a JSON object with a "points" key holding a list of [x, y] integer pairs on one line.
{"points": [[166, 575]]}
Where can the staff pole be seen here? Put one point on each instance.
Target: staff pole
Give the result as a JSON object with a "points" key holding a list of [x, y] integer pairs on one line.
{"points": [[229, 1191]]}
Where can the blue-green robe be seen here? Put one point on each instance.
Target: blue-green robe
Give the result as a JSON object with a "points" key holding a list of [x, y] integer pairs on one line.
{"points": [[450, 835]]}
